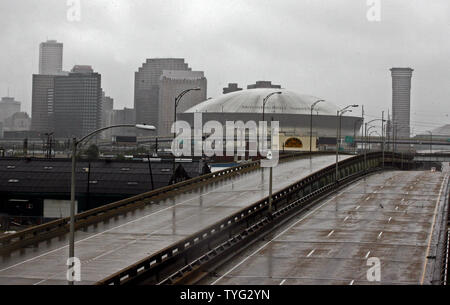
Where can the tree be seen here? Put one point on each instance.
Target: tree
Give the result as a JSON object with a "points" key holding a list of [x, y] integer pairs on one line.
{"points": [[92, 152]]}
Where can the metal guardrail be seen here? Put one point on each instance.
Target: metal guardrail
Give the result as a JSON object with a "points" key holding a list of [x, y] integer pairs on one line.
{"points": [[446, 245], [36, 234], [179, 261]]}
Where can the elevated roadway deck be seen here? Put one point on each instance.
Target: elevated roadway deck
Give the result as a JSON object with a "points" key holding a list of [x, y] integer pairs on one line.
{"points": [[107, 247], [389, 215]]}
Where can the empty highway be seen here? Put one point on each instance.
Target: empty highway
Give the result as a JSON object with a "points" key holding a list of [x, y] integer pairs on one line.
{"points": [[108, 247], [388, 217]]}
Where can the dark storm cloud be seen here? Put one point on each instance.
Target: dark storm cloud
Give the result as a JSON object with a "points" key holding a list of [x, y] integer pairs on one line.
{"points": [[324, 48]]}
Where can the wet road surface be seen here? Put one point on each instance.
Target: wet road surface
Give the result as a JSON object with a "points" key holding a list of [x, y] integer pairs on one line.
{"points": [[387, 218], [106, 248]]}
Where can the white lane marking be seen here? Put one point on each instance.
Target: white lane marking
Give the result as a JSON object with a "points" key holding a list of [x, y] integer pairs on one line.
{"points": [[379, 235], [282, 282], [407, 193], [432, 229], [367, 198], [116, 227], [351, 283], [40, 282], [345, 219], [136, 240], [331, 233], [357, 208], [396, 208], [390, 218], [403, 199], [95, 235], [287, 229], [311, 253], [367, 255]]}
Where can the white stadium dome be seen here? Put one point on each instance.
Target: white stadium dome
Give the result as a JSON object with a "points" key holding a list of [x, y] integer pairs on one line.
{"points": [[290, 109], [250, 101]]}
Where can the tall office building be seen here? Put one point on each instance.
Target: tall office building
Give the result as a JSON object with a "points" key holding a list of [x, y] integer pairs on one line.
{"points": [[8, 106], [107, 111], [50, 65], [401, 101], [172, 83], [77, 102], [107, 108], [42, 103], [50, 57], [146, 87], [123, 116]]}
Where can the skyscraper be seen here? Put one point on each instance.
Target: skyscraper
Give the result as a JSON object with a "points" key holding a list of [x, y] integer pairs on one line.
{"points": [[172, 83], [146, 87], [77, 102], [107, 108], [123, 116], [8, 106], [401, 101], [50, 65], [50, 57], [42, 103], [107, 113]]}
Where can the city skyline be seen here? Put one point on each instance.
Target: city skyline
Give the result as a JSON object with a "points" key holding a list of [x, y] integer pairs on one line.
{"points": [[336, 54]]}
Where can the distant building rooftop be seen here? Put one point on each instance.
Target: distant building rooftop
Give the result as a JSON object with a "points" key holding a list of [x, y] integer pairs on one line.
{"points": [[106, 177], [82, 69], [442, 131]]}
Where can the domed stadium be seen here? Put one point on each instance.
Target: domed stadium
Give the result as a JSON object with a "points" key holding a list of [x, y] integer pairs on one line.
{"points": [[292, 110]]}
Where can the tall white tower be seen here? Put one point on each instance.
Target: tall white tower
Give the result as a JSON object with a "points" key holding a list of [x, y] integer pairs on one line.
{"points": [[401, 101]]}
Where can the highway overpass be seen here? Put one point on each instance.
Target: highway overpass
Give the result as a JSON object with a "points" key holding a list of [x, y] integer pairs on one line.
{"points": [[218, 229], [106, 247], [390, 216]]}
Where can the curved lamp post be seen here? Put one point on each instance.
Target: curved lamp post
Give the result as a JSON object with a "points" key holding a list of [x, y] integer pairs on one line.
{"points": [[75, 144], [310, 126], [339, 114], [270, 168], [177, 102], [365, 136], [266, 99]]}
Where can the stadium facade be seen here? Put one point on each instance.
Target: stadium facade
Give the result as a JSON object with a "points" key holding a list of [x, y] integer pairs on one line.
{"points": [[290, 109]]}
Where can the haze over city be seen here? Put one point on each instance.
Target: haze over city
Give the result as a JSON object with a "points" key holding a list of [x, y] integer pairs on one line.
{"points": [[323, 48], [224, 148]]}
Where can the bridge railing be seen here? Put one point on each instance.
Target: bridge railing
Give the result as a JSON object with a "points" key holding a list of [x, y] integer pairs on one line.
{"points": [[183, 259], [36, 234]]}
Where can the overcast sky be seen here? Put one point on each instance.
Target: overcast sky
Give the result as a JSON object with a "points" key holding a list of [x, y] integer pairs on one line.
{"points": [[325, 48]]}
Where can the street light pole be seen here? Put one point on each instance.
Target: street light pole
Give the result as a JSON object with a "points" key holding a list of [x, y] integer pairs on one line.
{"points": [[177, 102], [310, 127], [382, 136], [365, 146], [270, 168], [339, 113], [368, 138], [75, 144], [72, 204]]}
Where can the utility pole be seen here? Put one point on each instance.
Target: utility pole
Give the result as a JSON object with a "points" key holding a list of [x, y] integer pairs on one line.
{"points": [[382, 135]]}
